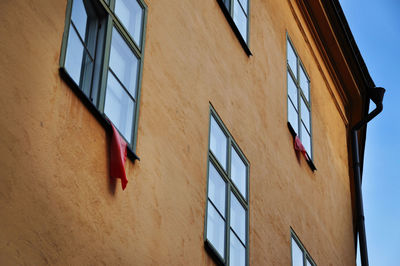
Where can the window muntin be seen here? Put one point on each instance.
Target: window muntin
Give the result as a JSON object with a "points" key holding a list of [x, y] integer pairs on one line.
{"points": [[300, 256], [299, 106], [226, 229], [216, 229], [304, 84], [102, 55], [121, 87], [75, 52], [237, 252], [118, 107], [216, 185], [79, 17], [123, 64], [238, 218], [80, 54], [130, 13], [293, 117]]}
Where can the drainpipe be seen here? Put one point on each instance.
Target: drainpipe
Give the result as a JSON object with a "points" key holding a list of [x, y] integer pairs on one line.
{"points": [[376, 95]]}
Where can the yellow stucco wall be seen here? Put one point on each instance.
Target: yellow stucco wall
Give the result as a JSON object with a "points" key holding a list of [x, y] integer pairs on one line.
{"points": [[57, 204]]}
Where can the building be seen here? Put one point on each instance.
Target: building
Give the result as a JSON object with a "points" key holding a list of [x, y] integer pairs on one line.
{"points": [[241, 112]]}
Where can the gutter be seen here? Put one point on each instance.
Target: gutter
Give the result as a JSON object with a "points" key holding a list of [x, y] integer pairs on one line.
{"points": [[376, 95]]}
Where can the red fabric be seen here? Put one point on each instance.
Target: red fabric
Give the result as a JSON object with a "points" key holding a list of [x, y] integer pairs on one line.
{"points": [[298, 146], [118, 157]]}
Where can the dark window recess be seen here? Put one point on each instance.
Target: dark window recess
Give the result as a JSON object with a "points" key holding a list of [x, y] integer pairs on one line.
{"points": [[101, 58], [300, 256], [299, 101], [237, 12], [226, 232]]}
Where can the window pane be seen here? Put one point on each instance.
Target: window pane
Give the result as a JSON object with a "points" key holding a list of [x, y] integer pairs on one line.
{"points": [[79, 17], [293, 116], [304, 84], [306, 139], [238, 218], [308, 263], [237, 254], [227, 3], [292, 59], [292, 89], [130, 13], [119, 107], [238, 173], [216, 230], [124, 63], [218, 142], [240, 19], [244, 5], [297, 254], [305, 114], [73, 59], [216, 189]]}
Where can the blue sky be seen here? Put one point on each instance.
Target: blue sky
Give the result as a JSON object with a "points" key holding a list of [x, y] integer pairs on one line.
{"points": [[376, 28]]}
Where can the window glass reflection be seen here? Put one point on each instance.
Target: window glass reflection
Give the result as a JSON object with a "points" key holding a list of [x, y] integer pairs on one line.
{"points": [[304, 84], [292, 89], [305, 114], [306, 139], [79, 17], [244, 5], [218, 142], [297, 254], [292, 58], [237, 254], [124, 63], [238, 172], [240, 19], [216, 230], [293, 116], [216, 189], [130, 13], [119, 107], [238, 218], [74, 56]]}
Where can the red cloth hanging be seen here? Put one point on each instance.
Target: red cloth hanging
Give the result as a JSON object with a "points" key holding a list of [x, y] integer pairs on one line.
{"points": [[118, 153], [298, 146]]}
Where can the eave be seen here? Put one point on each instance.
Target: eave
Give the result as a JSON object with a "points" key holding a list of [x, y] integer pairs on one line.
{"points": [[335, 41]]}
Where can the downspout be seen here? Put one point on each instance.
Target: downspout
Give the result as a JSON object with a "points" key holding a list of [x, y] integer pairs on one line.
{"points": [[376, 95]]}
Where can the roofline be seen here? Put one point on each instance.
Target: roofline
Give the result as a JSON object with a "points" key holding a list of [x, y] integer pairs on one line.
{"points": [[362, 67]]}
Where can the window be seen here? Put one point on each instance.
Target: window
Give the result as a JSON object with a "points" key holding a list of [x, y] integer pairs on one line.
{"points": [[227, 211], [102, 54], [298, 98], [300, 256], [237, 13]]}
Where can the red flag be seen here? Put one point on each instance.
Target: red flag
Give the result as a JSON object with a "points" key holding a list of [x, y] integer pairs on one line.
{"points": [[118, 157], [298, 146]]}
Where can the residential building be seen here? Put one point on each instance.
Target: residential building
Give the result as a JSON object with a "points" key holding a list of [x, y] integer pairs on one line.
{"points": [[237, 115]]}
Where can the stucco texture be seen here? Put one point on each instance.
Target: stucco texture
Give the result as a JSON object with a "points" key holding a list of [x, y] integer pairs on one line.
{"points": [[57, 203]]}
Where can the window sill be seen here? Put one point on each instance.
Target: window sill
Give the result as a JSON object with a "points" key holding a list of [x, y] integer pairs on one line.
{"points": [[234, 27], [310, 161], [213, 253], [96, 113]]}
